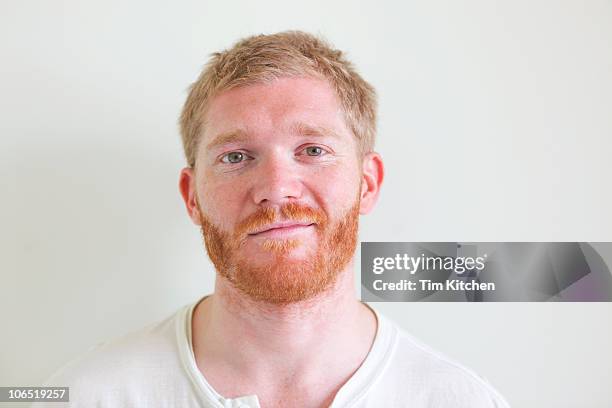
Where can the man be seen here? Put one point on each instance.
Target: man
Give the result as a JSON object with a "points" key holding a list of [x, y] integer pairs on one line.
{"points": [[278, 134]]}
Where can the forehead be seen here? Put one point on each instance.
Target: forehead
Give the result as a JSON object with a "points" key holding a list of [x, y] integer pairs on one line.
{"points": [[278, 106]]}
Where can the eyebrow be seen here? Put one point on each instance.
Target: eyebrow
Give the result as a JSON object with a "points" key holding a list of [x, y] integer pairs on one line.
{"points": [[304, 129], [298, 128], [234, 136]]}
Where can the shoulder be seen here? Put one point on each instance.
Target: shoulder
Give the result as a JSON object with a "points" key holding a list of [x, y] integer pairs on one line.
{"points": [[120, 371], [128, 354], [435, 380]]}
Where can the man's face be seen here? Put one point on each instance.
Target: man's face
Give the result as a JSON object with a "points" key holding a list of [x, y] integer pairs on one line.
{"points": [[278, 181]]}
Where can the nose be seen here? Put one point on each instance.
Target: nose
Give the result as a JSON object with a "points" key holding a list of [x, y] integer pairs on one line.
{"points": [[278, 181]]}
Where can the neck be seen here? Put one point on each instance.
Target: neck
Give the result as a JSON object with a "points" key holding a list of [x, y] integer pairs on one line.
{"points": [[272, 342]]}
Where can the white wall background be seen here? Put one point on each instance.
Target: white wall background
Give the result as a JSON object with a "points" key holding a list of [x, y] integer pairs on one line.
{"points": [[495, 125]]}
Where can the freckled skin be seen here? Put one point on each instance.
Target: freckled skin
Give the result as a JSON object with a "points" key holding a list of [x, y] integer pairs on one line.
{"points": [[272, 164], [277, 174], [274, 167]]}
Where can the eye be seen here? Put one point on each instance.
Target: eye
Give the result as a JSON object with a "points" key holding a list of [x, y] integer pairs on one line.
{"points": [[233, 157], [314, 151]]}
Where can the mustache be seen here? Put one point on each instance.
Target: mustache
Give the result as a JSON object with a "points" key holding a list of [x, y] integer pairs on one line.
{"points": [[287, 212]]}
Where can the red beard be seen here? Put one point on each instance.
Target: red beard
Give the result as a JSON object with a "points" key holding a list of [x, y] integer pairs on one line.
{"points": [[284, 280]]}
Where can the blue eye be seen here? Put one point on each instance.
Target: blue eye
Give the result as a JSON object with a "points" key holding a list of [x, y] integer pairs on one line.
{"points": [[233, 157], [314, 151]]}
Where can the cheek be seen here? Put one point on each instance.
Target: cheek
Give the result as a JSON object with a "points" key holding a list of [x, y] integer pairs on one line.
{"points": [[220, 203], [338, 190]]}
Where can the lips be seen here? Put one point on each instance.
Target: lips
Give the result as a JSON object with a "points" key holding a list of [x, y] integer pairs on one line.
{"points": [[281, 228]]}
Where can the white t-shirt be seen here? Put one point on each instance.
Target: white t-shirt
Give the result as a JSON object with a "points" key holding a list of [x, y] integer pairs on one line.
{"points": [[155, 367]]}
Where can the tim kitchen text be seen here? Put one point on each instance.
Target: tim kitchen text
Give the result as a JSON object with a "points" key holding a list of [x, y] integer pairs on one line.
{"points": [[430, 286]]}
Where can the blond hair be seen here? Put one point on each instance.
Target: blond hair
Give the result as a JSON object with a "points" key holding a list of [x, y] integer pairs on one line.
{"points": [[263, 58]]}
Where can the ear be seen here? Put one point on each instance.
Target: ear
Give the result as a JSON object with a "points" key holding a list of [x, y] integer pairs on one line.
{"points": [[373, 174], [188, 192]]}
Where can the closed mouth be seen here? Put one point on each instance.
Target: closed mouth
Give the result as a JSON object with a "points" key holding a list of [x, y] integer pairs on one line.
{"points": [[281, 227]]}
